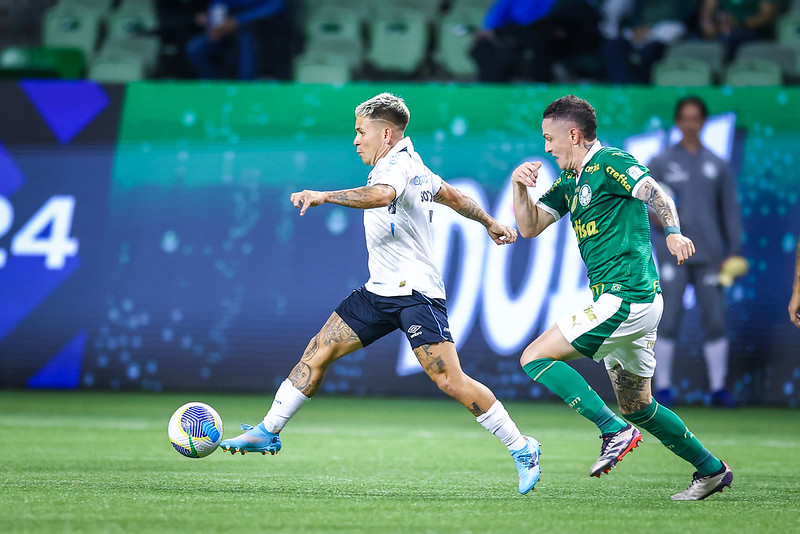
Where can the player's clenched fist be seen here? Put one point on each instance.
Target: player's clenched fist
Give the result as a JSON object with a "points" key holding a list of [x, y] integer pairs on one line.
{"points": [[307, 199], [501, 234], [527, 173], [680, 246]]}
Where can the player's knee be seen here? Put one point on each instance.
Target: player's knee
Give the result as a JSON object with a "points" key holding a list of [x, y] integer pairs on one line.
{"points": [[634, 406], [531, 353], [450, 385]]}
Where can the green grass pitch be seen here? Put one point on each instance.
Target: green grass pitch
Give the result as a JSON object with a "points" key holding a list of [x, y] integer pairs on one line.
{"points": [[102, 462]]}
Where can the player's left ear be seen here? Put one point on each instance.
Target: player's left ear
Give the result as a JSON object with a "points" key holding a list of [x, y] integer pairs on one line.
{"points": [[574, 136]]}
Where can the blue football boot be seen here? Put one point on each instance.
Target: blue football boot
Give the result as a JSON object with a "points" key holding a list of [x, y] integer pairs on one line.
{"points": [[255, 439], [527, 462]]}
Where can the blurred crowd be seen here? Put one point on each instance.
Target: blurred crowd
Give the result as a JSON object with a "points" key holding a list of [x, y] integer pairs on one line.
{"points": [[334, 41]]}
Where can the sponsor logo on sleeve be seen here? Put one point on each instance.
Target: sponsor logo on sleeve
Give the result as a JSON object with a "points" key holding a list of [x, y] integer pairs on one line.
{"points": [[619, 177], [635, 172]]}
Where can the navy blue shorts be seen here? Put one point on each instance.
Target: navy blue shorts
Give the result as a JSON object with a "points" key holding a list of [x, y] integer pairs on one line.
{"points": [[371, 316]]}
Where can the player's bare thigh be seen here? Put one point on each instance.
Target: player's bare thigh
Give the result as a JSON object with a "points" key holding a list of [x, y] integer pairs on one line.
{"points": [[632, 391], [334, 340], [551, 344]]}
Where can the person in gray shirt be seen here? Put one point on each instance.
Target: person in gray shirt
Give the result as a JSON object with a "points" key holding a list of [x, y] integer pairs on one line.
{"points": [[705, 193]]}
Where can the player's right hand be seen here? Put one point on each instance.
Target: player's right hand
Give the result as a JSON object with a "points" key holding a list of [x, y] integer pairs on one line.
{"points": [[307, 199], [527, 173], [680, 246]]}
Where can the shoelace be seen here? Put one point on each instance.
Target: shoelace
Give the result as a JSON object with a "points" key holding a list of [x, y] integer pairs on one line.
{"points": [[606, 440], [525, 459], [696, 478]]}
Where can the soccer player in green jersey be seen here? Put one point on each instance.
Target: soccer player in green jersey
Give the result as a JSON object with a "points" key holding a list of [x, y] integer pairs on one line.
{"points": [[606, 192]]}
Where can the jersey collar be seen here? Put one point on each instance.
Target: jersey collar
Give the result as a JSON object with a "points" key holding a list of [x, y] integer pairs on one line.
{"points": [[589, 155], [403, 144]]}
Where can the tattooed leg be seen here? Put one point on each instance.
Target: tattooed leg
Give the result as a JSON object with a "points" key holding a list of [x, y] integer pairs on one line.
{"points": [[440, 362], [335, 340], [632, 391]]}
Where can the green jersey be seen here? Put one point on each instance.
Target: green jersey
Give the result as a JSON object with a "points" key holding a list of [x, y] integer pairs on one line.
{"points": [[611, 224]]}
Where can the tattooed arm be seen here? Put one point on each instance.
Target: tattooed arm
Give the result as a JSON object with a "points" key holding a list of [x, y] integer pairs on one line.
{"points": [[467, 207], [369, 196], [649, 192]]}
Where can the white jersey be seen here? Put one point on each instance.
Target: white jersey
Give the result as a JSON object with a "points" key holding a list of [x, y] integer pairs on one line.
{"points": [[399, 238]]}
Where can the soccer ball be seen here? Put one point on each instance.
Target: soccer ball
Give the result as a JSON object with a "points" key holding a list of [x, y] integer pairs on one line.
{"points": [[195, 430]]}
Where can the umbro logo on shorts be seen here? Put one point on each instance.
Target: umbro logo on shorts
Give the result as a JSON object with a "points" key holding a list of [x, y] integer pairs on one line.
{"points": [[414, 330]]}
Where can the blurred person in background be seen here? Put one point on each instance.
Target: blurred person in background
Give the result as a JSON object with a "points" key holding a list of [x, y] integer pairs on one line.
{"points": [[242, 39], [637, 32], [704, 191], [794, 303], [734, 22], [532, 39]]}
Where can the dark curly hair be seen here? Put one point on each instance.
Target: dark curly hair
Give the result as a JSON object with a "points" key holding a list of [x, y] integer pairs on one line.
{"points": [[576, 110]]}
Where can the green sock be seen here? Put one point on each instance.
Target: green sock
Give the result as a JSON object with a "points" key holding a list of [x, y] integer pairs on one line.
{"points": [[568, 384], [664, 424]]}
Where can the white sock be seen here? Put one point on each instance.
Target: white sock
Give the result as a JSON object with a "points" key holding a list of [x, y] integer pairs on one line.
{"points": [[288, 399], [498, 422], [665, 353], [716, 353]]}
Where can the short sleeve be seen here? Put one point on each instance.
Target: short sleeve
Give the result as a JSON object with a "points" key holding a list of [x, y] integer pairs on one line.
{"points": [[436, 183], [554, 201], [624, 171], [390, 172]]}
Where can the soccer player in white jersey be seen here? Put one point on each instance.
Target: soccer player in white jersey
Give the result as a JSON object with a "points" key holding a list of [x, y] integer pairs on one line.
{"points": [[405, 289]]}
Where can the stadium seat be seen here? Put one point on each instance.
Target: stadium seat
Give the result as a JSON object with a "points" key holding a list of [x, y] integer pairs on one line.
{"points": [[145, 49], [101, 6], [455, 36], [130, 21], [318, 67], [398, 40], [683, 72], [428, 8], [330, 21], [789, 34], [341, 47], [785, 56], [751, 72], [483, 5], [712, 53], [110, 67], [42, 62], [71, 27], [132, 30]]}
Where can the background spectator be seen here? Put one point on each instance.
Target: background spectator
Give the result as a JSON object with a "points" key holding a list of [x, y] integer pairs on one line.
{"points": [[636, 33], [524, 39], [734, 22], [242, 39], [705, 194]]}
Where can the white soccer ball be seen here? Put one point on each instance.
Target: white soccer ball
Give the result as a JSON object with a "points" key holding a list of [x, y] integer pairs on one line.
{"points": [[195, 430]]}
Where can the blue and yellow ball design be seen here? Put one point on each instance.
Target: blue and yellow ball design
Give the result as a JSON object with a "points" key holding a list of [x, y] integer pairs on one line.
{"points": [[195, 430]]}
